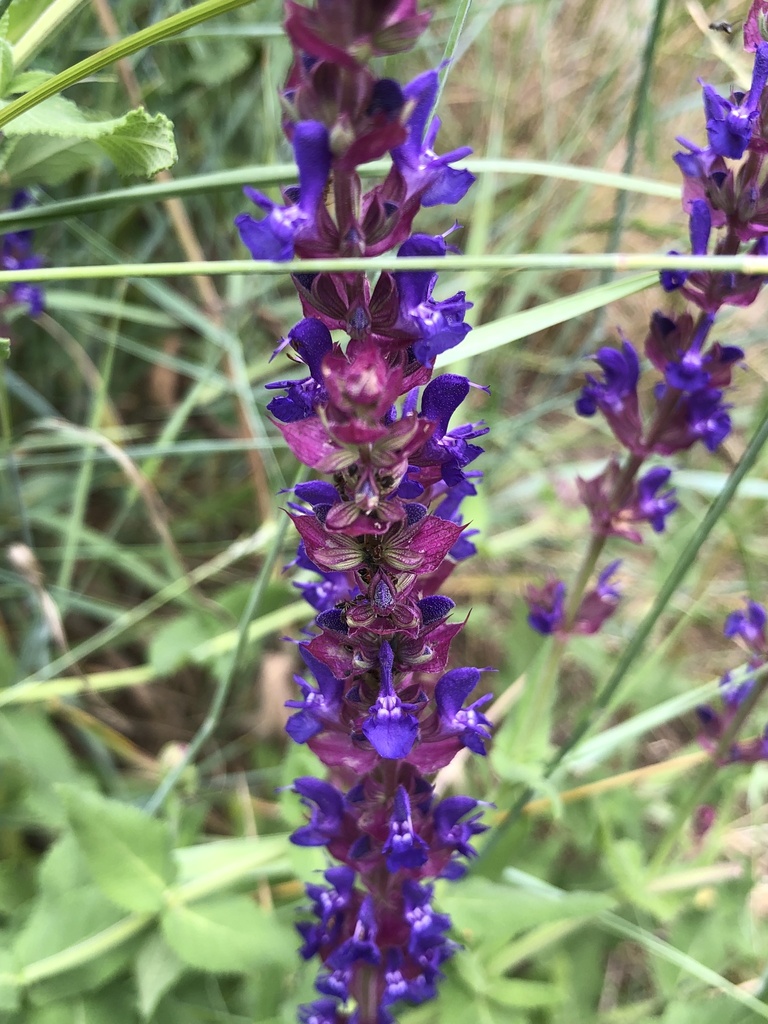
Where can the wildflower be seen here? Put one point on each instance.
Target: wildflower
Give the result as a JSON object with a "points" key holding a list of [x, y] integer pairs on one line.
{"points": [[385, 530]]}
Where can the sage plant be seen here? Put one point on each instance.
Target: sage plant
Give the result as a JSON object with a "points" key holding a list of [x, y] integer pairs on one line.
{"points": [[727, 207], [381, 527]]}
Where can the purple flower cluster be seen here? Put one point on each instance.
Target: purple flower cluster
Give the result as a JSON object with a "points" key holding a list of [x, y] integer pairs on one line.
{"points": [[16, 254], [688, 402], [748, 626], [382, 529]]}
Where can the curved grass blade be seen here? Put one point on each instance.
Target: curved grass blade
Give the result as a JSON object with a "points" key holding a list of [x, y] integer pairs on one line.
{"points": [[280, 174]]}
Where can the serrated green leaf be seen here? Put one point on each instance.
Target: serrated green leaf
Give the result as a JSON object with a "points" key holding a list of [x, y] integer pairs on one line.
{"points": [[228, 935], [56, 924], [137, 143], [27, 80], [63, 868], [157, 968], [263, 856], [112, 1006], [6, 67], [128, 852], [44, 160]]}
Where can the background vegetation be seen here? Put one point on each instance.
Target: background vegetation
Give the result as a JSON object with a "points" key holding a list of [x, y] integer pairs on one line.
{"points": [[140, 524]]}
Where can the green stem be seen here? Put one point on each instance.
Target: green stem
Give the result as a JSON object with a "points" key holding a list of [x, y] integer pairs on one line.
{"points": [[124, 48], [749, 265]]}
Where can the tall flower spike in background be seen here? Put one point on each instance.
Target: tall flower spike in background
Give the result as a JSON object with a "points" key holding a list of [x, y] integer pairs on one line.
{"points": [[384, 530], [727, 215]]}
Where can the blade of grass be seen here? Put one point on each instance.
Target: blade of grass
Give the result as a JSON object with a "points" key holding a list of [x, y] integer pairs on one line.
{"points": [[280, 174], [749, 265]]}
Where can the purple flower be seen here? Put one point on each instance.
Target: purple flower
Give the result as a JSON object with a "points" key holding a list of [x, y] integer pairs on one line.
{"points": [[616, 394], [427, 927], [362, 943], [404, 848], [653, 504], [319, 707], [273, 237], [708, 418], [468, 723], [311, 340], [598, 604], [546, 607], [323, 1011], [730, 122], [749, 626], [449, 449], [436, 325], [326, 816], [456, 833], [700, 226], [427, 175], [389, 726]]}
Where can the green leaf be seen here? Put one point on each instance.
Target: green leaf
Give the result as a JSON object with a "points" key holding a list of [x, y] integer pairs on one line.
{"points": [[112, 1006], [228, 935], [58, 923], [172, 644], [137, 143], [9, 988], [63, 868], [28, 737], [157, 969], [27, 80], [6, 67], [491, 912], [258, 856], [129, 853], [519, 993], [45, 160], [5, 348], [626, 863]]}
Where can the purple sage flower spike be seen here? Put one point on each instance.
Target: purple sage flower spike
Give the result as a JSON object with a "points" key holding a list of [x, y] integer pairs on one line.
{"points": [[383, 530]]}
